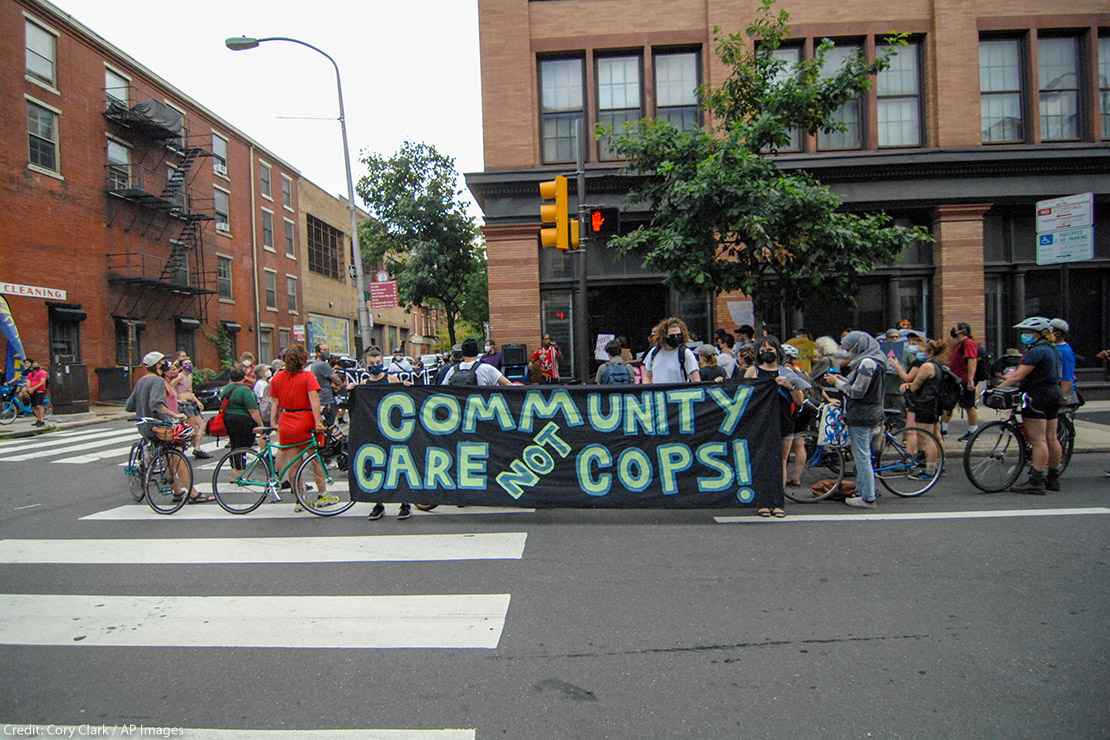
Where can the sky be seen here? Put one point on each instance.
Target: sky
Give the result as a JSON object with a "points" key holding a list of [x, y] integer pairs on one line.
{"points": [[410, 72]]}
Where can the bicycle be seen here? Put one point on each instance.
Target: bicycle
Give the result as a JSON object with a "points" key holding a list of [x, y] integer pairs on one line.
{"points": [[12, 406], [245, 477], [166, 473], [135, 469], [996, 455], [907, 461]]}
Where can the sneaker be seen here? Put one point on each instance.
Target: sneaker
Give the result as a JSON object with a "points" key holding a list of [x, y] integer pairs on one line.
{"points": [[1052, 481], [405, 512], [377, 512], [965, 436], [325, 500], [859, 503], [201, 455], [1035, 485]]}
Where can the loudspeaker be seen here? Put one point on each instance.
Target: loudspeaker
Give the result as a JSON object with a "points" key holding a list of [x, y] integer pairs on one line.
{"points": [[514, 354]]}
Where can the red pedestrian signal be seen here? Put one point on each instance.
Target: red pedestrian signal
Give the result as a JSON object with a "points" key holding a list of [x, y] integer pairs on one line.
{"points": [[597, 220], [604, 222]]}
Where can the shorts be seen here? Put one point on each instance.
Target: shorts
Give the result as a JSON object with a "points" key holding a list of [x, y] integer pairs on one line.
{"points": [[37, 398], [967, 398], [924, 415], [1042, 403]]}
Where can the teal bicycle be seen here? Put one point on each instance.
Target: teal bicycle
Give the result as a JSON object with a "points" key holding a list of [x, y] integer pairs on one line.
{"points": [[245, 478]]}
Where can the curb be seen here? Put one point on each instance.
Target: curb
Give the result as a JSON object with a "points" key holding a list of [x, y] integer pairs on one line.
{"points": [[63, 426]]}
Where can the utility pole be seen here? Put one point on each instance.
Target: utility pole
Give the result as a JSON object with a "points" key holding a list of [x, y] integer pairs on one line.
{"points": [[583, 350]]}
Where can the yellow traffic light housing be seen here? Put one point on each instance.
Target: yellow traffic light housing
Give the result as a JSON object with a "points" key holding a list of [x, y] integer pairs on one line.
{"points": [[563, 234]]}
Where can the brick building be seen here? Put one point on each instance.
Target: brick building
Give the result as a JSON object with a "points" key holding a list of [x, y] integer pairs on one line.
{"points": [[993, 106]]}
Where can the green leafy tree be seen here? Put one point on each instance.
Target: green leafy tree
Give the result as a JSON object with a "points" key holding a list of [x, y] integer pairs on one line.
{"points": [[724, 216], [475, 305], [420, 228]]}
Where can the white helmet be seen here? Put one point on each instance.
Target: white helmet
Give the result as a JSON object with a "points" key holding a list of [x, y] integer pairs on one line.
{"points": [[1060, 325], [790, 352], [150, 359], [1035, 323]]}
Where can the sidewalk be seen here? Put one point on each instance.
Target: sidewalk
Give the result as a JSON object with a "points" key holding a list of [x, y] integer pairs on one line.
{"points": [[1089, 436], [99, 414]]}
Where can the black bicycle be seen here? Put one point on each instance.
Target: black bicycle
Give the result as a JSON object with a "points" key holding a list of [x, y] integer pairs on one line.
{"points": [[996, 455]]}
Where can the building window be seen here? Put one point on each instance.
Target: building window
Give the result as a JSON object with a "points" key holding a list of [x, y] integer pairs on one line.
{"points": [[849, 114], [561, 107], [265, 346], [129, 342], [290, 239], [287, 192], [899, 93], [323, 248], [1104, 83], [1000, 91], [223, 278], [676, 85], [219, 154], [269, 280], [618, 95], [264, 184], [117, 88], [119, 165], [267, 229], [283, 340], [65, 338], [42, 137], [221, 205], [1058, 65], [185, 340], [790, 56], [291, 292], [42, 47]]}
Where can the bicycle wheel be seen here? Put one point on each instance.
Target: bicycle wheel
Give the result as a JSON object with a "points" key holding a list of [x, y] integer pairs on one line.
{"points": [[1065, 432], [168, 480], [8, 413], [335, 500], [994, 457], [822, 464], [242, 479], [135, 471], [910, 461]]}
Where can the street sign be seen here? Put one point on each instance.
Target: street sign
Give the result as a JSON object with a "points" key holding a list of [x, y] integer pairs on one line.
{"points": [[383, 295], [1069, 212], [1069, 245]]}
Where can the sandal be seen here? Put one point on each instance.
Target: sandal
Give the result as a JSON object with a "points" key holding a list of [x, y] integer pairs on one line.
{"points": [[778, 513], [201, 498], [766, 513]]}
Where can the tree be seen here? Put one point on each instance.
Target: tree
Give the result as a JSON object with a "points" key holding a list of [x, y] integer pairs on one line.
{"points": [[420, 229], [725, 217], [475, 304]]}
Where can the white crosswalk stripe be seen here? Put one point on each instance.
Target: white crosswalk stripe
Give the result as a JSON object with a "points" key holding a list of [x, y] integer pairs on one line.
{"points": [[52, 435], [42, 445], [199, 733], [142, 512]]}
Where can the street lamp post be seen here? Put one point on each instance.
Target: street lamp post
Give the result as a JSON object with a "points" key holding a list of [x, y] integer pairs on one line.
{"points": [[242, 43]]}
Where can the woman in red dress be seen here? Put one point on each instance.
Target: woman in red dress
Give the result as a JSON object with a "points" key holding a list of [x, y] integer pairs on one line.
{"points": [[295, 411]]}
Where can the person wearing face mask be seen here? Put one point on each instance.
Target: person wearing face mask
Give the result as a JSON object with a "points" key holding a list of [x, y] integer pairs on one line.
{"points": [[375, 368], [189, 404], [323, 371], [769, 356], [1038, 377], [863, 408], [963, 363], [246, 360], [670, 360], [923, 390]]}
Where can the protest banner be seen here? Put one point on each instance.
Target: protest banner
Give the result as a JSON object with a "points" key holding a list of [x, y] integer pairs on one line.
{"points": [[663, 446]]}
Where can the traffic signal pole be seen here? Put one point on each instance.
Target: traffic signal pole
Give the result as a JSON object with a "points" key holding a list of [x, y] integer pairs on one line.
{"points": [[583, 350]]}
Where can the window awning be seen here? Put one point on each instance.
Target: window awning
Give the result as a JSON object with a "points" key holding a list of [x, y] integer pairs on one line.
{"points": [[231, 327], [60, 313], [187, 322]]}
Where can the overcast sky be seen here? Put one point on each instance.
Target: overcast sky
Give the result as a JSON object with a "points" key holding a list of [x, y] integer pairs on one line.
{"points": [[410, 71]]}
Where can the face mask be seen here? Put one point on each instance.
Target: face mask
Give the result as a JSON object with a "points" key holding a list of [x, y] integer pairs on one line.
{"points": [[376, 369], [952, 333], [1028, 339], [187, 366], [673, 340], [921, 356], [767, 358]]}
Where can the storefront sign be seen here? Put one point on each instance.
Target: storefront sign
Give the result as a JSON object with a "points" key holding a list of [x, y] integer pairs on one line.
{"points": [[1072, 245], [32, 291], [298, 333], [383, 295], [679, 446], [330, 330], [1069, 212]]}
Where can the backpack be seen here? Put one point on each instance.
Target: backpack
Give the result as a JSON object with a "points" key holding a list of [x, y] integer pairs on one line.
{"points": [[650, 360], [983, 367], [950, 390], [616, 373], [469, 376]]}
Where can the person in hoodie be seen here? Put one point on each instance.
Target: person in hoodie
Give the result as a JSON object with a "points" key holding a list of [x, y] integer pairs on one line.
{"points": [[862, 387]]}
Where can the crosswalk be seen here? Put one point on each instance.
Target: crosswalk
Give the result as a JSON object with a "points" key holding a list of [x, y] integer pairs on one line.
{"points": [[81, 446]]}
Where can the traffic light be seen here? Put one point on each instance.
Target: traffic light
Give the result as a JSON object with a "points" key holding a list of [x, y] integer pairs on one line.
{"points": [[564, 232], [604, 222]]}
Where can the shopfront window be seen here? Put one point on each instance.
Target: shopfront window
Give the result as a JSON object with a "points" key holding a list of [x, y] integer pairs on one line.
{"points": [[558, 316]]}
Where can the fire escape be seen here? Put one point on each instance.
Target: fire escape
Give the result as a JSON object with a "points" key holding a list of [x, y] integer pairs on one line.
{"points": [[148, 187]]}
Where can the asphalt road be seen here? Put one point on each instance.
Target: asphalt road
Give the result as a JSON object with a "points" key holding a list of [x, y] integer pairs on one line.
{"points": [[638, 624]]}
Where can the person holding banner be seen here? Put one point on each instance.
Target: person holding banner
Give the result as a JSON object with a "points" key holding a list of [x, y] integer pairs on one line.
{"points": [[863, 408], [769, 359], [670, 360]]}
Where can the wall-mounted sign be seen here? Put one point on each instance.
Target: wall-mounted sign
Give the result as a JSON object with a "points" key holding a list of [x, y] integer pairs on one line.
{"points": [[383, 295], [1070, 245], [32, 291], [1069, 212]]}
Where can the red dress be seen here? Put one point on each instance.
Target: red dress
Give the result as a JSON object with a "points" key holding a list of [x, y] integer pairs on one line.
{"points": [[296, 423]]}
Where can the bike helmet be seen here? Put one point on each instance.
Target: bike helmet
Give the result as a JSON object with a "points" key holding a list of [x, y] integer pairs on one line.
{"points": [[790, 352], [1035, 323], [1060, 325], [150, 359]]}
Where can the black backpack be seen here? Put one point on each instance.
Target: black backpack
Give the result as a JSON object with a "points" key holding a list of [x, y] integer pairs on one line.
{"points": [[469, 376], [983, 367], [681, 360], [616, 373], [950, 390]]}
